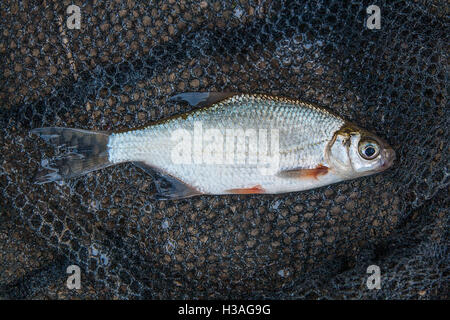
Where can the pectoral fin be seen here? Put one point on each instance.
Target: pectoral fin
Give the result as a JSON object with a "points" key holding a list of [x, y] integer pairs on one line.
{"points": [[202, 99], [167, 186], [301, 173]]}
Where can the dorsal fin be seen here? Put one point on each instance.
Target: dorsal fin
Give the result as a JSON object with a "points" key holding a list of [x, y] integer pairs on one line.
{"points": [[167, 186], [202, 99]]}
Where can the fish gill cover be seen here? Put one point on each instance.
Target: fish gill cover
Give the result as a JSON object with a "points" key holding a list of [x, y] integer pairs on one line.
{"points": [[118, 71]]}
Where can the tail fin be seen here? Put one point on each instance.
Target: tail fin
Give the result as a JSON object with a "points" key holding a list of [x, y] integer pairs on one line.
{"points": [[79, 152]]}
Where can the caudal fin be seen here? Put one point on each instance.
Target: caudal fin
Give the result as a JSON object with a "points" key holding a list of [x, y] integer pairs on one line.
{"points": [[79, 152]]}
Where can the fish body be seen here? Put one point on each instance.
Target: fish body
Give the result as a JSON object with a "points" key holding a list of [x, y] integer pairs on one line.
{"points": [[235, 144]]}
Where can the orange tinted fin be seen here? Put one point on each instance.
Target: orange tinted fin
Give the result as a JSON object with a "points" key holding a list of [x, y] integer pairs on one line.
{"points": [[320, 170], [252, 190]]}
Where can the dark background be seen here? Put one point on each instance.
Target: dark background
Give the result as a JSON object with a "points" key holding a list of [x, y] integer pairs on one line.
{"points": [[118, 71]]}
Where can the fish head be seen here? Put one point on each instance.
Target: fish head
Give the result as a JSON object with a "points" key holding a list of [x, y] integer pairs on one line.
{"points": [[354, 152]]}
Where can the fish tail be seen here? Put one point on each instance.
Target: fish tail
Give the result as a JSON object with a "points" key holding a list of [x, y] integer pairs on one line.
{"points": [[78, 152]]}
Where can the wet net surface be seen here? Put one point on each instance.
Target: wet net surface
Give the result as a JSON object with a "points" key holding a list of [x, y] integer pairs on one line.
{"points": [[118, 71]]}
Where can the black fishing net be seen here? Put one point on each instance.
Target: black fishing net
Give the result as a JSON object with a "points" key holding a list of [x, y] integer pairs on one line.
{"points": [[118, 71]]}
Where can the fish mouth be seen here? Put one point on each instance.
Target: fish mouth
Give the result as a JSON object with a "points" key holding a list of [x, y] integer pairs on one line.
{"points": [[387, 157]]}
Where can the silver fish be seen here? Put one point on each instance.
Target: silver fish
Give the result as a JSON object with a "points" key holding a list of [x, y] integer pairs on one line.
{"points": [[233, 144]]}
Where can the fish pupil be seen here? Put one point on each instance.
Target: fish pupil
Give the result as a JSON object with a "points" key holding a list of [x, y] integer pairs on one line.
{"points": [[370, 151]]}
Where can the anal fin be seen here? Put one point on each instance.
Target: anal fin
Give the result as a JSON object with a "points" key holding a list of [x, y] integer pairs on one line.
{"points": [[202, 99], [167, 186]]}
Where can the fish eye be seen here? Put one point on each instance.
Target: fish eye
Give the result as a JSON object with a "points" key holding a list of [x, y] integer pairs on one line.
{"points": [[368, 149]]}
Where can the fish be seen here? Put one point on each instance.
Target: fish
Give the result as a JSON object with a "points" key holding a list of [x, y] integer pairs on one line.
{"points": [[230, 143]]}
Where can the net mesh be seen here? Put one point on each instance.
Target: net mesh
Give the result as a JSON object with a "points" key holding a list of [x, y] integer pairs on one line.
{"points": [[118, 71]]}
